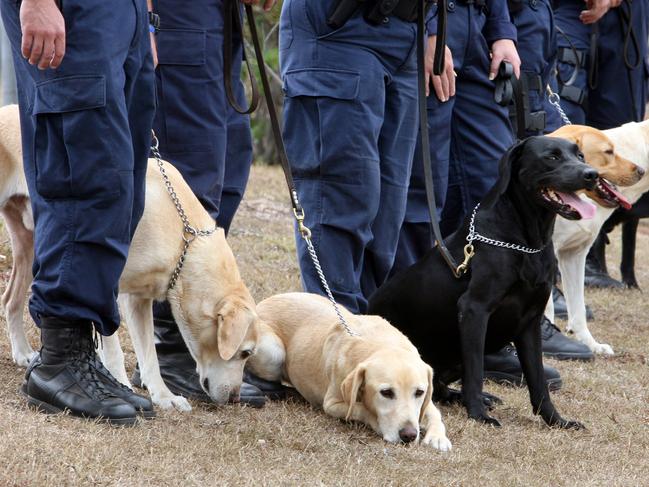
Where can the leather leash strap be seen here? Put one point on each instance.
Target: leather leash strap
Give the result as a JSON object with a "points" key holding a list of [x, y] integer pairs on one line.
{"points": [[440, 41], [423, 125], [231, 19]]}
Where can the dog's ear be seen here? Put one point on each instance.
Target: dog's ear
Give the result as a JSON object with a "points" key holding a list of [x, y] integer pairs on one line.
{"points": [[429, 394], [233, 320], [505, 165], [351, 386]]}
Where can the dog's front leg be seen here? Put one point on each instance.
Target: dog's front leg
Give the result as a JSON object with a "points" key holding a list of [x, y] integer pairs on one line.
{"points": [[334, 405], [113, 358], [13, 299], [530, 354], [572, 265], [473, 317], [138, 315], [435, 435]]}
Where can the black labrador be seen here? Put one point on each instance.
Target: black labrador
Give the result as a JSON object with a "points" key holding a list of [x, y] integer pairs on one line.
{"points": [[454, 322]]}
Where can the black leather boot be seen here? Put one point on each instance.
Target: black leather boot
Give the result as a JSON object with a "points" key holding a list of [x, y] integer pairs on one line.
{"points": [[63, 377], [561, 309], [504, 367], [178, 368], [557, 345]]}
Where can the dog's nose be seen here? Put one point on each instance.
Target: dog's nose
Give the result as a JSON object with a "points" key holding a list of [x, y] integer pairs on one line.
{"points": [[206, 384], [408, 434], [235, 396], [590, 175], [640, 171]]}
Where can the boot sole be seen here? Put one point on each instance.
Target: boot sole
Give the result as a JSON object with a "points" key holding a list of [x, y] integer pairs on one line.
{"points": [[583, 357], [47, 408], [516, 381]]}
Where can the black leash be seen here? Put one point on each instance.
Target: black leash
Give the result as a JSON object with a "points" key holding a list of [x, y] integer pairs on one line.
{"points": [[440, 41], [509, 89], [423, 126], [232, 19]]}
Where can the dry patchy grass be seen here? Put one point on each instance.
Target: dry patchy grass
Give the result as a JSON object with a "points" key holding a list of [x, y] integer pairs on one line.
{"points": [[289, 443]]}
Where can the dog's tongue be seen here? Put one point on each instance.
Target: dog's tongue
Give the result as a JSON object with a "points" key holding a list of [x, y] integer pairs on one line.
{"points": [[585, 209], [624, 203]]}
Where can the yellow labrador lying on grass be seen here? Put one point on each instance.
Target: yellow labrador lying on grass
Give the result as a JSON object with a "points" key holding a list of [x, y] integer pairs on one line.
{"points": [[212, 306], [376, 378]]}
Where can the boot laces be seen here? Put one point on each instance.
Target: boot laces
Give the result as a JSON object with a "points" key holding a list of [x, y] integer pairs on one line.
{"points": [[84, 359]]}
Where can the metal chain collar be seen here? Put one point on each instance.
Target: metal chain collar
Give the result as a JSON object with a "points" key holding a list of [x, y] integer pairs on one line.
{"points": [[475, 236], [189, 232], [555, 100]]}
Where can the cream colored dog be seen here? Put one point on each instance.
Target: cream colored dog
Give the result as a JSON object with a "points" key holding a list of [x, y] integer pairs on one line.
{"points": [[212, 306], [573, 239], [376, 378]]}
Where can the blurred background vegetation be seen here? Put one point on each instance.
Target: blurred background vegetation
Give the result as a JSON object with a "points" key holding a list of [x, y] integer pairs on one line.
{"points": [[265, 151]]}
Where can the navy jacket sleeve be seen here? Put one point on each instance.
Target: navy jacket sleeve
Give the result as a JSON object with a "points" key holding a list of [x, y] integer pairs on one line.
{"points": [[498, 25]]}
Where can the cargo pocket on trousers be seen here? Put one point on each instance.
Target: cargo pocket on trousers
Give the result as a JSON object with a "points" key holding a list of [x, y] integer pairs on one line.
{"points": [[185, 91], [71, 120], [323, 120]]}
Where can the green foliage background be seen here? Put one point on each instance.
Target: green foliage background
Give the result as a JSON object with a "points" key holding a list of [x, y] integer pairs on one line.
{"points": [[268, 27]]}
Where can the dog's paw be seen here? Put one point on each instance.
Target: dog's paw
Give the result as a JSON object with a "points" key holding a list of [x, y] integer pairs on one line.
{"points": [[602, 349], [172, 402], [569, 425], [440, 443], [23, 358], [486, 419]]}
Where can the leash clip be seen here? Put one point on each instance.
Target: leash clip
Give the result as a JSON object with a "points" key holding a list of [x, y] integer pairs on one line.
{"points": [[469, 252], [302, 228]]}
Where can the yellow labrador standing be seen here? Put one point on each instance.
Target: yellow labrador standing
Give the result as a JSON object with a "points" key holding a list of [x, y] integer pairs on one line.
{"points": [[212, 306], [376, 378]]}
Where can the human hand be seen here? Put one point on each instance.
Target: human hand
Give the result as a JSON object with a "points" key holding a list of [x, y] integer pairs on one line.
{"points": [[43, 30], [595, 10], [444, 84], [504, 50], [268, 4]]}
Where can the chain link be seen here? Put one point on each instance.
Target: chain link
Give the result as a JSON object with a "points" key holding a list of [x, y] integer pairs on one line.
{"points": [[555, 100], [474, 236], [189, 232], [325, 286]]}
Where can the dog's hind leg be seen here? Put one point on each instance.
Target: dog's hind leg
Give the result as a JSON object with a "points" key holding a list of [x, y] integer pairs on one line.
{"points": [[13, 299], [572, 265], [138, 315], [113, 358], [627, 266], [435, 435]]}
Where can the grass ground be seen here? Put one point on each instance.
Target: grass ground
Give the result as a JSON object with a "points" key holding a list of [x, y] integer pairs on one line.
{"points": [[289, 443]]}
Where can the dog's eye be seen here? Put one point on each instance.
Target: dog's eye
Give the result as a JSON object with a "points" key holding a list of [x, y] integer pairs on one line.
{"points": [[387, 393], [609, 152], [419, 392], [580, 156], [552, 157], [246, 353]]}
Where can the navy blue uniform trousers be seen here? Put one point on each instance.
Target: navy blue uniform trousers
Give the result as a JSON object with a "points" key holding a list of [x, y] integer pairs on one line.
{"points": [[468, 135], [350, 122], [620, 93], [86, 131], [199, 132]]}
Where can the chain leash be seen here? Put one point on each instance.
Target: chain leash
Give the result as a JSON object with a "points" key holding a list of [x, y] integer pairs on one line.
{"points": [[305, 232], [190, 233], [555, 100]]}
